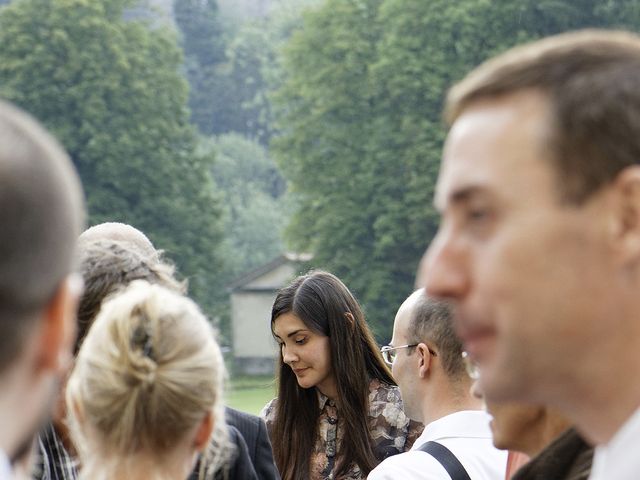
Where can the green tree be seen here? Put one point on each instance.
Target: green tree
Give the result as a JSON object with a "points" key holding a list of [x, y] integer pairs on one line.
{"points": [[254, 69], [229, 93], [326, 110], [204, 41], [254, 198], [201, 30], [359, 124], [112, 93]]}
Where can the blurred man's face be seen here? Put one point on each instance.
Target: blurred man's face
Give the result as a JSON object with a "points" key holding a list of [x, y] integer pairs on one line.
{"points": [[526, 272], [42, 365]]}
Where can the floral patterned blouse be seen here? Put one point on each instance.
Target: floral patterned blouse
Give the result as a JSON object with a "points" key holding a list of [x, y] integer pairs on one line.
{"points": [[391, 430]]}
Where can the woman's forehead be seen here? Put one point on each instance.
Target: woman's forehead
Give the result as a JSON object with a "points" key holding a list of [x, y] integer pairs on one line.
{"points": [[288, 323]]}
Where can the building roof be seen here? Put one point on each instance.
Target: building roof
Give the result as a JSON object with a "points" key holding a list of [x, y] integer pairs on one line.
{"points": [[252, 275]]}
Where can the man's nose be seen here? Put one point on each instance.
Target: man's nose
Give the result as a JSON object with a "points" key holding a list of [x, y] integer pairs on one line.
{"points": [[443, 269]]}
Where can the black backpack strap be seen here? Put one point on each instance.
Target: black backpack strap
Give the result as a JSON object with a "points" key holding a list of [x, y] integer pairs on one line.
{"points": [[447, 459]]}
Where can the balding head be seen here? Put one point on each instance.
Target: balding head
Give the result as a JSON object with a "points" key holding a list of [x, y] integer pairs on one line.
{"points": [[108, 265], [41, 213], [405, 314], [120, 232], [112, 255], [430, 320]]}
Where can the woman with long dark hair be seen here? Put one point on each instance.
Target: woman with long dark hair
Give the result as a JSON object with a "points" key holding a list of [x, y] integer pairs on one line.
{"points": [[338, 412]]}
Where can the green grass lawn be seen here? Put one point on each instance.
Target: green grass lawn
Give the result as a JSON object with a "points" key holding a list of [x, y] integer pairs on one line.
{"points": [[250, 394]]}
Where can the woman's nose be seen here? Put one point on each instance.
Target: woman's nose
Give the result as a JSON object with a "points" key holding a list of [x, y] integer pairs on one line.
{"points": [[288, 355]]}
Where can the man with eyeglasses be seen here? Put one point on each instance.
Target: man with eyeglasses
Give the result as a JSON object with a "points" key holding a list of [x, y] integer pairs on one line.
{"points": [[426, 359]]}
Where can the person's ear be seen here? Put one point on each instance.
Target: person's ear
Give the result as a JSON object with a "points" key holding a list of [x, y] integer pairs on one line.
{"points": [[424, 359], [351, 321], [626, 214], [59, 327], [476, 391], [203, 434], [78, 411]]}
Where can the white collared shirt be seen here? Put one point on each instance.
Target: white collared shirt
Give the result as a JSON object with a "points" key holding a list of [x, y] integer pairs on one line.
{"points": [[466, 434], [5, 467], [618, 459]]}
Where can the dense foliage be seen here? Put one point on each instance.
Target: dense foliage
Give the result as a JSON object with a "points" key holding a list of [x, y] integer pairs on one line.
{"points": [[347, 93], [112, 92], [360, 135], [231, 67], [256, 210], [204, 42]]}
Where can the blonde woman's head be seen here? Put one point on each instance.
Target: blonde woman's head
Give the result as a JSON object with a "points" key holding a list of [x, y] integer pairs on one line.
{"points": [[147, 378]]}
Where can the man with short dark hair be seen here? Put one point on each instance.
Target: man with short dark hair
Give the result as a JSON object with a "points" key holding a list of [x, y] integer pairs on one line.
{"points": [[41, 213], [427, 364], [539, 244]]}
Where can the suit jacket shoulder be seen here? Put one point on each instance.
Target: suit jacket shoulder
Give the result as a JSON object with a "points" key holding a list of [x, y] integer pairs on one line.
{"points": [[254, 432]]}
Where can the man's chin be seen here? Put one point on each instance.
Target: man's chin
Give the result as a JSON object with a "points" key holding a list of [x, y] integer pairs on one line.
{"points": [[26, 442]]}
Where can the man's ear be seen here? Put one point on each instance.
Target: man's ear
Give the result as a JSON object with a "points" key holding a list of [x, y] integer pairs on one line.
{"points": [[203, 434], [626, 214], [476, 390], [424, 359], [59, 326]]}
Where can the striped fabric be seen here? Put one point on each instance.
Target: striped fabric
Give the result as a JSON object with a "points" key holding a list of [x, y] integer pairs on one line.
{"points": [[53, 462]]}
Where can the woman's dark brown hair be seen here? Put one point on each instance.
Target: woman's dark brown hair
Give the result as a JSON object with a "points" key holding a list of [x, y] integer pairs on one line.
{"points": [[326, 306]]}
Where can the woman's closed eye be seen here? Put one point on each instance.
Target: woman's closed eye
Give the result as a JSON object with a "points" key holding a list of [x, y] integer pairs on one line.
{"points": [[301, 340]]}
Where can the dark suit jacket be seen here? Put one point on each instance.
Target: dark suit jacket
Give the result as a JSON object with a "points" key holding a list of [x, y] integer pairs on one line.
{"points": [[254, 432], [239, 466], [252, 457]]}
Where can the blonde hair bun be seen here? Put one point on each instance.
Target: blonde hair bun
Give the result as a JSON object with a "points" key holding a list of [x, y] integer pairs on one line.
{"points": [[147, 373]]}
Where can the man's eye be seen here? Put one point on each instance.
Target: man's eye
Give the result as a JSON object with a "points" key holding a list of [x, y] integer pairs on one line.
{"points": [[479, 217], [477, 214]]}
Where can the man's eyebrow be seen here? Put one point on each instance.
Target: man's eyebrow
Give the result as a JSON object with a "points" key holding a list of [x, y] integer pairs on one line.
{"points": [[458, 196]]}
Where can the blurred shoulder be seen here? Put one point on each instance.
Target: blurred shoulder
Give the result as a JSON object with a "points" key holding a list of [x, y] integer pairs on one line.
{"points": [[240, 419], [383, 392], [385, 401], [391, 429]]}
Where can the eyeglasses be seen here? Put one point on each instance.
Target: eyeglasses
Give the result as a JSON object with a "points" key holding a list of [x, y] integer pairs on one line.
{"points": [[472, 367], [389, 352]]}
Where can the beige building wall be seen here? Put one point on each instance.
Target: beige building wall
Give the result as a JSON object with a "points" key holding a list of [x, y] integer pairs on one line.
{"points": [[254, 349], [251, 313]]}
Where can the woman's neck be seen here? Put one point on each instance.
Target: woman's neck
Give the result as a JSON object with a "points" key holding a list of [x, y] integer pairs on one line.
{"points": [[328, 388]]}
